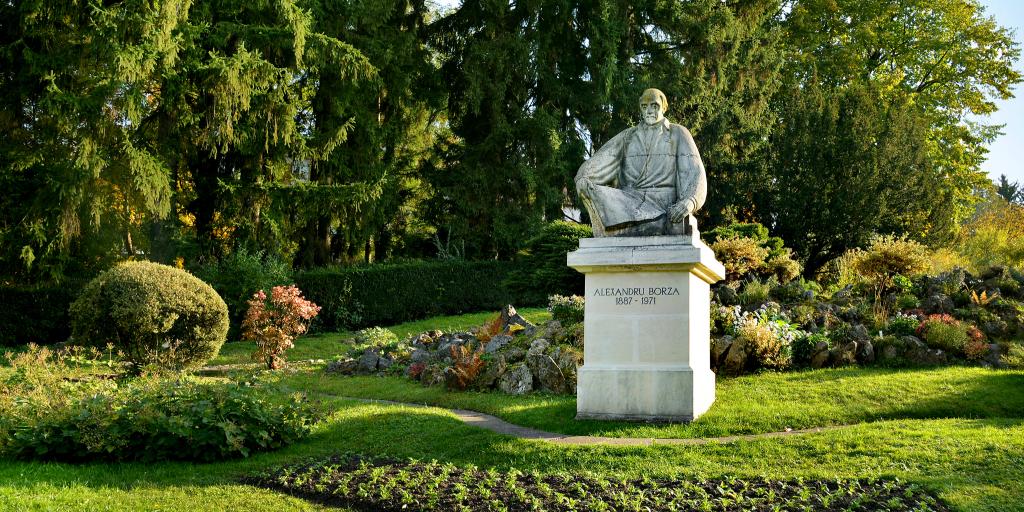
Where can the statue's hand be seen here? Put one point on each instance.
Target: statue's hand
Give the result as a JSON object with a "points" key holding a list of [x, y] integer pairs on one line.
{"points": [[585, 187], [678, 212]]}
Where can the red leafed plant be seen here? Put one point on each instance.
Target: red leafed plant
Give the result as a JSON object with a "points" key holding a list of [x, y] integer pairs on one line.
{"points": [[274, 324]]}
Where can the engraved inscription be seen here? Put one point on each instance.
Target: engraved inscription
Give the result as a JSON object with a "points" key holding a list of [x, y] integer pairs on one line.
{"points": [[639, 295]]}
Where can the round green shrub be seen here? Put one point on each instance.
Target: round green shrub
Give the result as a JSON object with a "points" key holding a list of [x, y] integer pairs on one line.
{"points": [[154, 314]]}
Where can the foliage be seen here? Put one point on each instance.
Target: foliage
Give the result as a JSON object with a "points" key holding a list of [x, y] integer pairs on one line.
{"points": [[902, 325], [746, 248], [364, 483], [884, 261], [755, 292], [239, 275], [1010, 192], [953, 336], [1014, 357], [490, 328], [153, 313], [383, 294], [567, 310], [466, 365], [543, 271], [43, 415], [924, 89], [378, 337], [36, 313], [804, 346], [739, 255], [865, 162], [767, 332], [274, 325], [995, 236]]}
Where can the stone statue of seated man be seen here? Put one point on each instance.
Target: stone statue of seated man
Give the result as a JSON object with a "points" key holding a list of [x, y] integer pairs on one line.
{"points": [[646, 181]]}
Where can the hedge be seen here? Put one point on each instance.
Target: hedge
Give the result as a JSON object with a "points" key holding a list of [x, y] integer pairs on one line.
{"points": [[355, 297], [36, 314]]}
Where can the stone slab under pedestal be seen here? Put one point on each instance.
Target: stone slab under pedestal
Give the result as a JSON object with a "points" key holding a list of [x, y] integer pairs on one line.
{"points": [[646, 328]]}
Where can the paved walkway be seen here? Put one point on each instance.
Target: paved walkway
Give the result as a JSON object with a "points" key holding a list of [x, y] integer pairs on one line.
{"points": [[495, 424]]}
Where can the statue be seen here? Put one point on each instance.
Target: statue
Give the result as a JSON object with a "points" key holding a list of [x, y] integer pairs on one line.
{"points": [[646, 181]]}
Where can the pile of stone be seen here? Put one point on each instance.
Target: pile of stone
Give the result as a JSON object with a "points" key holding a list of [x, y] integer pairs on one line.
{"points": [[519, 357]]}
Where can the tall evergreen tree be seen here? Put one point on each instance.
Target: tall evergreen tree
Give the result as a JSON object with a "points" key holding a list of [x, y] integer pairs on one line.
{"points": [[1011, 192], [79, 81], [535, 84]]}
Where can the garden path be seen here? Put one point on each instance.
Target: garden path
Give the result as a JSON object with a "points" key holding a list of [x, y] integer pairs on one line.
{"points": [[495, 424]]}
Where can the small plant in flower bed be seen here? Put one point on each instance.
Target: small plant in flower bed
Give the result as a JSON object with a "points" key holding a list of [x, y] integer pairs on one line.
{"points": [[275, 324], [389, 485], [46, 415]]}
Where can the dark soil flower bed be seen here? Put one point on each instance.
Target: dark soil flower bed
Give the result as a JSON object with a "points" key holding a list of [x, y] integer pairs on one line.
{"points": [[389, 485]]}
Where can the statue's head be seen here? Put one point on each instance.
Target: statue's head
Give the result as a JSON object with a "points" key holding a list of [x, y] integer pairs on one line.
{"points": [[653, 105]]}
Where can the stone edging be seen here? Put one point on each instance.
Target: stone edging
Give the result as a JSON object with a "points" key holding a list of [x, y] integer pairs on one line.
{"points": [[500, 426]]}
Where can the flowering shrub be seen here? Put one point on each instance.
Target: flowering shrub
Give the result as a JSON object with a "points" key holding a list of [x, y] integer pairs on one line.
{"points": [[767, 332], [903, 325], [567, 310], [274, 325], [953, 336]]}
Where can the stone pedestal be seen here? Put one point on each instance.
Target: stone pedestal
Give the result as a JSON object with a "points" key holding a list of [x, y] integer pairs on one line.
{"points": [[646, 328]]}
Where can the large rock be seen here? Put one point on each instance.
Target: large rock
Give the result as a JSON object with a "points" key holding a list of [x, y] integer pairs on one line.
{"points": [[538, 346], [368, 362], [938, 303], [344, 366], [497, 343], [819, 358], [843, 355], [510, 317], [718, 348], [419, 356], [865, 352], [918, 354], [488, 378], [726, 296], [517, 380], [735, 360], [554, 372], [554, 331]]}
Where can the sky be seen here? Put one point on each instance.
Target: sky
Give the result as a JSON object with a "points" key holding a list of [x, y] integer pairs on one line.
{"points": [[1005, 156]]}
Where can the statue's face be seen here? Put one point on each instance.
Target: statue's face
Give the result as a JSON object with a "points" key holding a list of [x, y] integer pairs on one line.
{"points": [[652, 111]]}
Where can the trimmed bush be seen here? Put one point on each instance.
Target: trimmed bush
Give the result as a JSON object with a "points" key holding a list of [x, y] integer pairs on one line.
{"points": [[36, 314], [154, 314], [356, 297], [543, 271]]}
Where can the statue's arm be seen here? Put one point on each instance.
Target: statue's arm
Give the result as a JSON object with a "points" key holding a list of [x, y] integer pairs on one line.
{"points": [[603, 167], [691, 181]]}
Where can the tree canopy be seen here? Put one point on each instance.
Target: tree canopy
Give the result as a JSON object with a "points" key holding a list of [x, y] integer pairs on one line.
{"points": [[334, 131]]}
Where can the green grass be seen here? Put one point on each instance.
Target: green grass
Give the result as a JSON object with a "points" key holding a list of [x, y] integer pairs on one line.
{"points": [[753, 404], [957, 431]]}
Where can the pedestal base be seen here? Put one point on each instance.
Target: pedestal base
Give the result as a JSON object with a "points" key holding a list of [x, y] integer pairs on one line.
{"points": [[646, 346], [647, 393]]}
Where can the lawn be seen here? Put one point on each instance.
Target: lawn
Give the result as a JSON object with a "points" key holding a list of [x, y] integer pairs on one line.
{"points": [[959, 432]]}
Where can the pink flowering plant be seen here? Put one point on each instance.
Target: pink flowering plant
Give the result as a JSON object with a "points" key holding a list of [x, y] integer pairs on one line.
{"points": [[275, 323]]}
